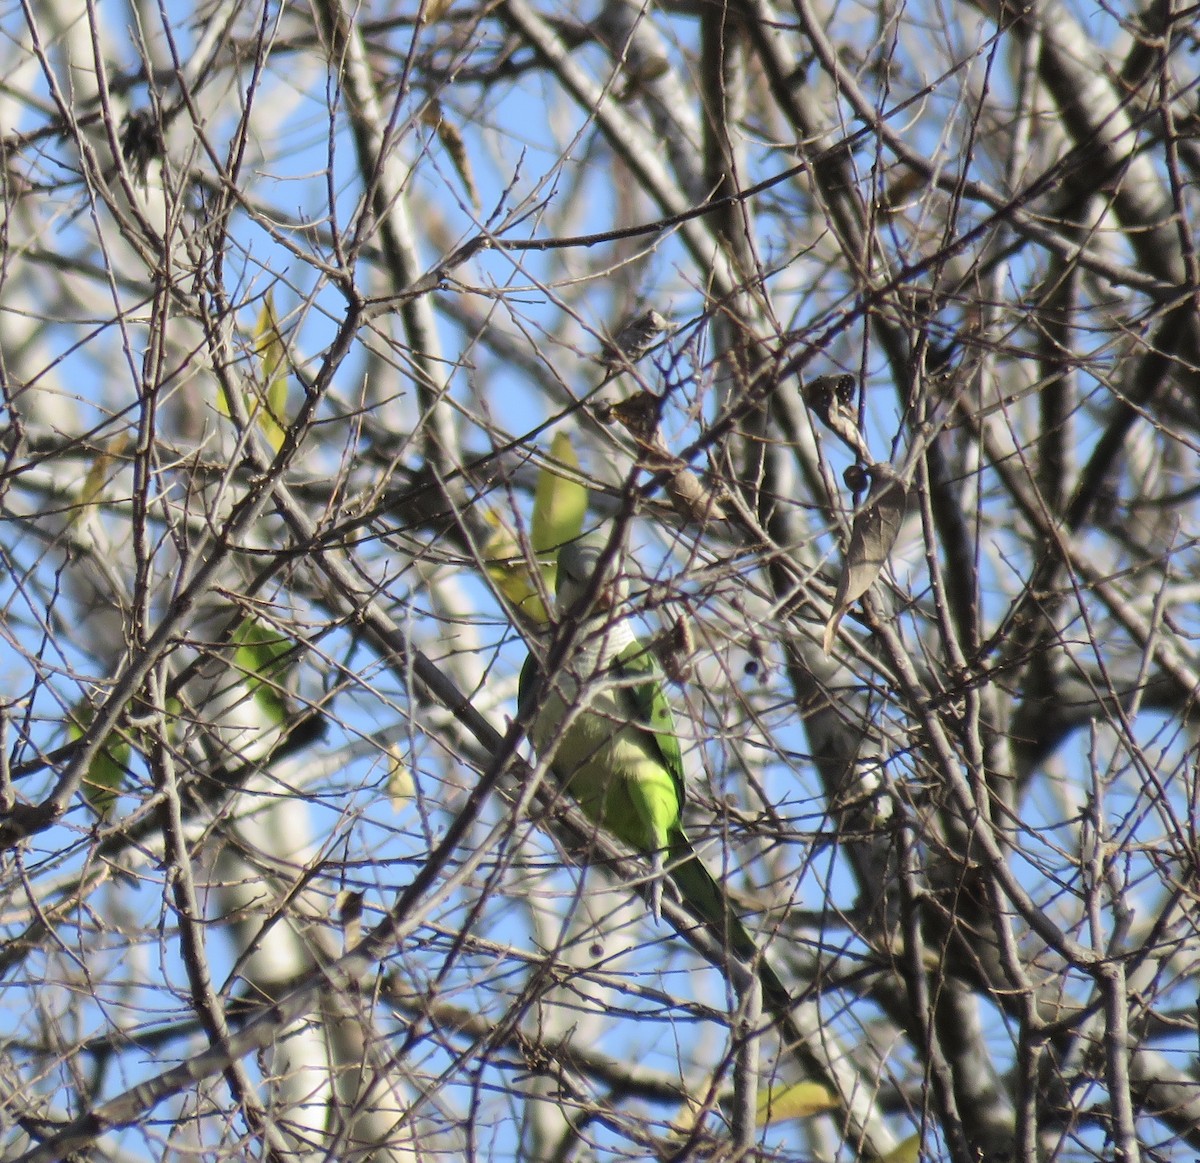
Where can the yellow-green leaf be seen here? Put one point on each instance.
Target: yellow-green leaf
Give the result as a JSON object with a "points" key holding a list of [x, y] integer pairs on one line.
{"points": [[506, 566], [400, 785], [560, 503], [451, 139], [560, 499], [96, 477], [266, 397], [797, 1100], [268, 345], [908, 1152], [106, 773], [263, 654]]}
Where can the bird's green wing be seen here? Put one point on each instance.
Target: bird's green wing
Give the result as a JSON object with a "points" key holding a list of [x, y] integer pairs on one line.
{"points": [[528, 680], [701, 893], [642, 690]]}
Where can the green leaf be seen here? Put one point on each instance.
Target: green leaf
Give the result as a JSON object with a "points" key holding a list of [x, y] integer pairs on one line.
{"points": [[506, 566], [560, 501], [265, 656], [271, 410], [908, 1152], [96, 477], [560, 504], [797, 1100], [106, 774], [401, 787], [265, 397]]}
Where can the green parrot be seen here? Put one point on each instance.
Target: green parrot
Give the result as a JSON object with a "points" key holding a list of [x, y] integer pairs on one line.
{"points": [[607, 727]]}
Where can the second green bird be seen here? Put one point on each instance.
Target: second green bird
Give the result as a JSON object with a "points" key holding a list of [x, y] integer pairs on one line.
{"points": [[606, 725]]}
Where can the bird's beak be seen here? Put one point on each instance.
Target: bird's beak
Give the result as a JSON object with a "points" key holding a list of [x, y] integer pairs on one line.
{"points": [[608, 597]]}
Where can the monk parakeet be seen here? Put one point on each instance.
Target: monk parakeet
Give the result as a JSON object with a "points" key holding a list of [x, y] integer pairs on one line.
{"points": [[607, 727]]}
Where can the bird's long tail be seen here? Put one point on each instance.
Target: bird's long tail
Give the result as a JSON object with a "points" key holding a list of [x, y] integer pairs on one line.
{"points": [[707, 901]]}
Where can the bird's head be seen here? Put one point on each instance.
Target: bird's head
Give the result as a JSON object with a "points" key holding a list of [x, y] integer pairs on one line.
{"points": [[577, 565]]}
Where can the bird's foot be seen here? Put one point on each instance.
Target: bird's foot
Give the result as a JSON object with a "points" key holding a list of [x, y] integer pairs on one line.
{"points": [[657, 878]]}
